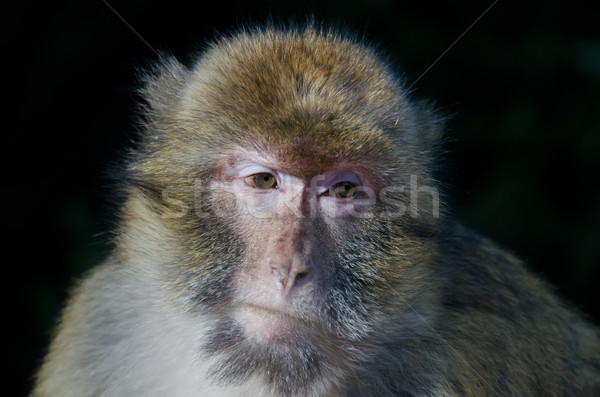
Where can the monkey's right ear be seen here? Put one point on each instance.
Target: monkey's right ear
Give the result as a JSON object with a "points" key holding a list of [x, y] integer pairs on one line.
{"points": [[161, 88]]}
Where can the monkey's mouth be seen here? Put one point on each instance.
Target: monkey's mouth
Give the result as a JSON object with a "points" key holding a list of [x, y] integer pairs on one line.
{"points": [[268, 325]]}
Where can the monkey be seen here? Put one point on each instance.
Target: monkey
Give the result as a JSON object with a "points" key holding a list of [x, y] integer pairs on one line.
{"points": [[282, 233]]}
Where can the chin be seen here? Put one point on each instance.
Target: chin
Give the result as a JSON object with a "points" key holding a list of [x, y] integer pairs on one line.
{"points": [[278, 348]]}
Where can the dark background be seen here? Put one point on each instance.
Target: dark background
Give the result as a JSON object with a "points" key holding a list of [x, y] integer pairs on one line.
{"points": [[523, 158]]}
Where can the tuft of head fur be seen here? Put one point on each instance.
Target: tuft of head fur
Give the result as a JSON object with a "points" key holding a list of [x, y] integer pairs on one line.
{"points": [[286, 88]]}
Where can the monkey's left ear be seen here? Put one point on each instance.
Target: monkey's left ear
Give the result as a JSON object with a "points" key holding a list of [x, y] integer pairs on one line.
{"points": [[161, 88], [429, 123]]}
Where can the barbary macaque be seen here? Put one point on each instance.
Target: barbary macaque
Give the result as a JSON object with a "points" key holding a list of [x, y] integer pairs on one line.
{"points": [[283, 234]]}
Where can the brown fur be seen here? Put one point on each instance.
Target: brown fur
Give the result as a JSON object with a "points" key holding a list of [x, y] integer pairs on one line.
{"points": [[406, 305]]}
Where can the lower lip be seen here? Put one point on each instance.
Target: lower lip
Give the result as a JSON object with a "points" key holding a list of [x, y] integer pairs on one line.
{"points": [[263, 325]]}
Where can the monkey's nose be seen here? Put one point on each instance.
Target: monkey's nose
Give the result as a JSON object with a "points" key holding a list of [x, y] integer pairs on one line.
{"points": [[285, 279]]}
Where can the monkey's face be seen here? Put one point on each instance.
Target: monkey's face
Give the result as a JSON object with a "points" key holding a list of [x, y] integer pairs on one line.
{"points": [[295, 153], [305, 263], [295, 229]]}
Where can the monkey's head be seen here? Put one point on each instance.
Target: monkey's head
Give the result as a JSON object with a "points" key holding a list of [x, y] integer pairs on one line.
{"points": [[283, 191]]}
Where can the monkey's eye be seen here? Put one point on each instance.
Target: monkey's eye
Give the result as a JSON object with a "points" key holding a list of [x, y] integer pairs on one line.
{"points": [[261, 180], [343, 190]]}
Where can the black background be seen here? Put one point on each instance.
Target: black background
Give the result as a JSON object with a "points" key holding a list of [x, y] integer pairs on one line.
{"points": [[523, 158]]}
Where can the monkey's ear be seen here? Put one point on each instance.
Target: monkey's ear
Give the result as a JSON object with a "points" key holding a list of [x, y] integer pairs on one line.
{"points": [[429, 124], [161, 88]]}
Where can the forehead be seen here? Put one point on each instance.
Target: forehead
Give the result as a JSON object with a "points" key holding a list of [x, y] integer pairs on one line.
{"points": [[315, 98]]}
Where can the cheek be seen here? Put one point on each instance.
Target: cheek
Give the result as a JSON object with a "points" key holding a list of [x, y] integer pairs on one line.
{"points": [[332, 208], [251, 202], [223, 202], [361, 208], [251, 205]]}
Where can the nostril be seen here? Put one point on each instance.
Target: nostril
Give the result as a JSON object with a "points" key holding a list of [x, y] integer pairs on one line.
{"points": [[278, 276], [286, 279], [301, 275]]}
